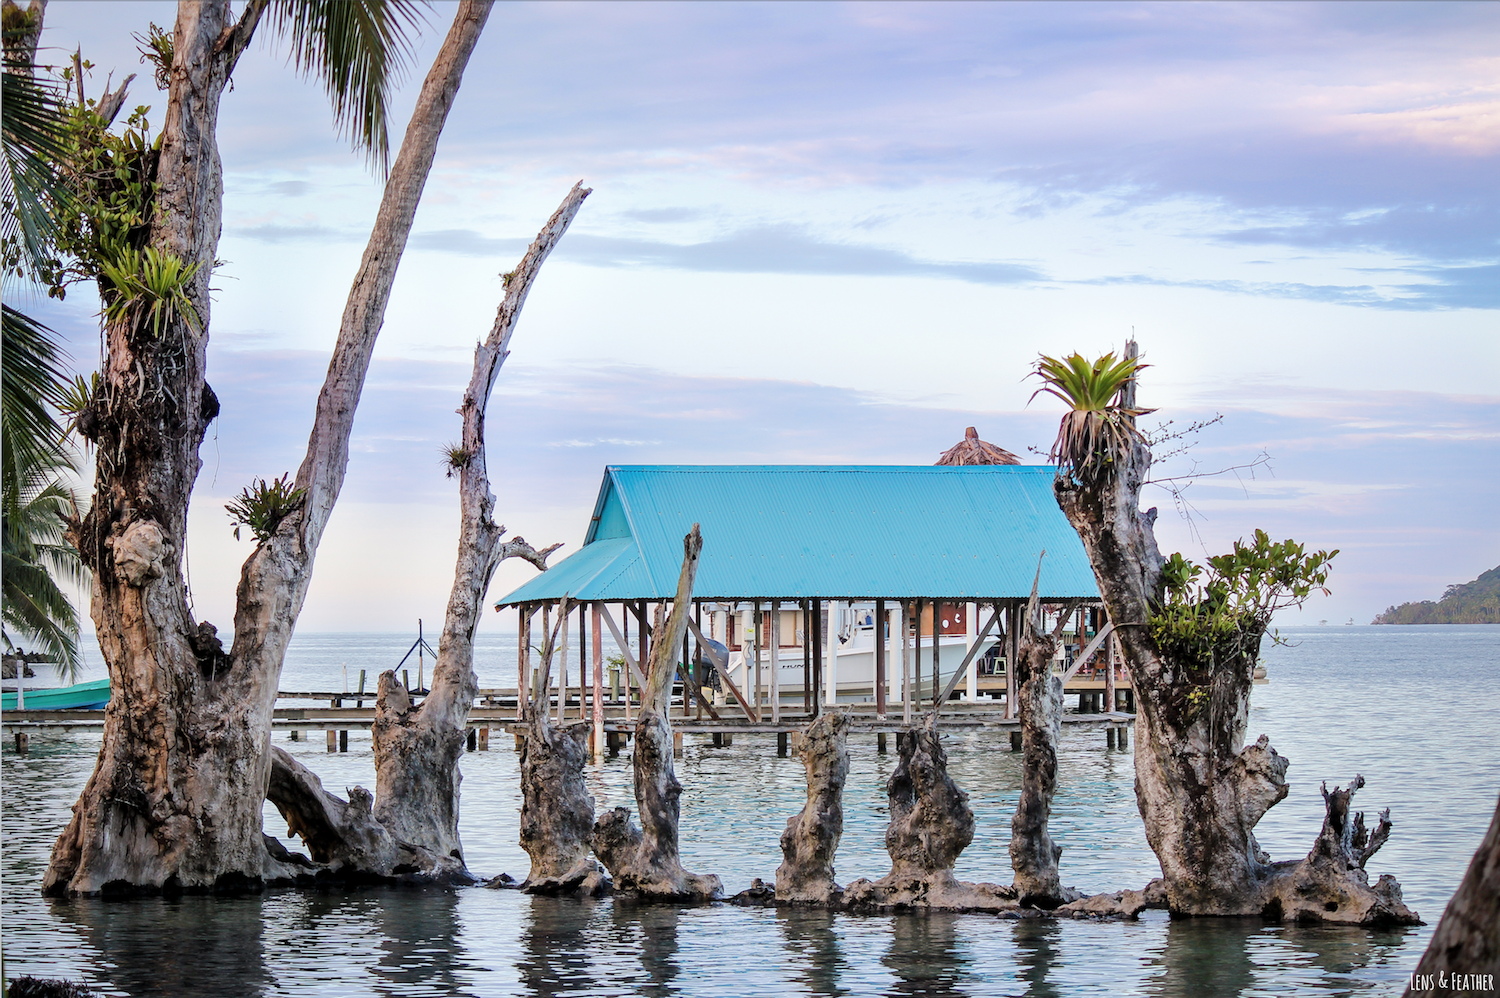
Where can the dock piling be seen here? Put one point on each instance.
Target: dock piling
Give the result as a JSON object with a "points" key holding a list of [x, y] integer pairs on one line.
{"points": [[484, 739], [880, 743], [333, 740], [781, 741], [23, 742], [1015, 741], [344, 740], [472, 741]]}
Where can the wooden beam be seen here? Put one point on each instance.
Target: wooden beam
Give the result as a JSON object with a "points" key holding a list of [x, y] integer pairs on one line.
{"points": [[963, 667], [1099, 639]]}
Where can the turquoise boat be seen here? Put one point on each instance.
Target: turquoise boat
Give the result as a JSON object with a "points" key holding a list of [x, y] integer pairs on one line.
{"points": [[85, 696]]}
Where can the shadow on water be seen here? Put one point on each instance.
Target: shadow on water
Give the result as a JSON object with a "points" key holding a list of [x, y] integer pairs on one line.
{"points": [[811, 945], [650, 931], [925, 956], [181, 946]]}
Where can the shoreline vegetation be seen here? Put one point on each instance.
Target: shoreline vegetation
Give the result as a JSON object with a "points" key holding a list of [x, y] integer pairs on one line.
{"points": [[1476, 602]]}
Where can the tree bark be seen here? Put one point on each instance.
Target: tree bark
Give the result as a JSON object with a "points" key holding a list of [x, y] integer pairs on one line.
{"points": [[1033, 853], [931, 825], [417, 751], [175, 799], [645, 860], [1467, 940], [1199, 788], [811, 838]]}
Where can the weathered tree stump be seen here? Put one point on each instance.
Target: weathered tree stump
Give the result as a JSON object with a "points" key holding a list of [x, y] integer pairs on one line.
{"points": [[557, 812], [811, 838], [1033, 853], [645, 860], [931, 824]]}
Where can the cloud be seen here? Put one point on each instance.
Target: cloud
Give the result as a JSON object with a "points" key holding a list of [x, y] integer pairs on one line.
{"points": [[1450, 287], [774, 249]]}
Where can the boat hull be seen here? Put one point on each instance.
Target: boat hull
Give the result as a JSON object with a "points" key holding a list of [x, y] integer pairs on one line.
{"points": [[84, 696]]}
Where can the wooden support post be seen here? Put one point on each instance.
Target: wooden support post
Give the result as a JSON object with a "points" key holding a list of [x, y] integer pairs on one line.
{"points": [[333, 740], [805, 608], [696, 669], [23, 740], [831, 682], [1015, 741], [344, 740], [597, 742], [880, 743], [295, 735], [1122, 736], [484, 739], [1109, 738], [775, 661], [936, 649], [624, 640], [728, 739], [523, 659], [1012, 657], [971, 633], [520, 741], [643, 645], [583, 661], [677, 744], [880, 627], [916, 691], [757, 636], [361, 703], [562, 665], [543, 696], [718, 739], [905, 666], [781, 743], [471, 740], [1109, 678]]}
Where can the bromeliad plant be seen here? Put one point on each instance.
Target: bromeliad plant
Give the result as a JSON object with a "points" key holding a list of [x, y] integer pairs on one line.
{"points": [[1099, 426], [150, 287], [262, 506]]}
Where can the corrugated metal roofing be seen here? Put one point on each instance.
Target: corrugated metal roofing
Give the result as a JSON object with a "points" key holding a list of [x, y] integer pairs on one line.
{"points": [[830, 532]]}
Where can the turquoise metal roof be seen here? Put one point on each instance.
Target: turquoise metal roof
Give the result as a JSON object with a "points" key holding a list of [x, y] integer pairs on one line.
{"points": [[830, 532]]}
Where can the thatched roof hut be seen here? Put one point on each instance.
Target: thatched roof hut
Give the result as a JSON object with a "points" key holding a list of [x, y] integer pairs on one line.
{"points": [[972, 450]]}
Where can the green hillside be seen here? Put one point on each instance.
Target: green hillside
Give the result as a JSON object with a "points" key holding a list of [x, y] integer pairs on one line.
{"points": [[1476, 602]]}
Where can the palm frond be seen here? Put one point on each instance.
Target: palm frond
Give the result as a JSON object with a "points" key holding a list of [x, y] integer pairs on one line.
{"points": [[35, 143], [32, 377], [359, 50]]}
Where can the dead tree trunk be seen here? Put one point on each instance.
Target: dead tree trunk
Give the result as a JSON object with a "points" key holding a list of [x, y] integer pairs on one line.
{"points": [[645, 860], [175, 799], [1033, 854], [1467, 940], [1199, 788], [931, 825], [417, 751], [812, 837]]}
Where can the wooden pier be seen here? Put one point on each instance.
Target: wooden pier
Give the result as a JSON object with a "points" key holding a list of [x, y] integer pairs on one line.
{"points": [[496, 709]]}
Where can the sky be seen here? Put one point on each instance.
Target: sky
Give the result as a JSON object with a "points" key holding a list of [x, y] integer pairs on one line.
{"points": [[842, 233]]}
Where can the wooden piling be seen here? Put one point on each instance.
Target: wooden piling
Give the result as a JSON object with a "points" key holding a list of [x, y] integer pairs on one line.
{"points": [[718, 739], [295, 735], [472, 741], [333, 740], [677, 744], [484, 740], [598, 636], [880, 628], [344, 740], [781, 741], [1109, 738], [1122, 736], [1015, 741], [880, 743], [776, 662], [23, 740]]}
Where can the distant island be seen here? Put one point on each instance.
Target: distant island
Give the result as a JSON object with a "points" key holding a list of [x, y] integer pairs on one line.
{"points": [[1476, 602]]}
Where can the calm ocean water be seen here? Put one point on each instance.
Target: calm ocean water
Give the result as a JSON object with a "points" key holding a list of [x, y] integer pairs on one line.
{"points": [[1416, 710]]}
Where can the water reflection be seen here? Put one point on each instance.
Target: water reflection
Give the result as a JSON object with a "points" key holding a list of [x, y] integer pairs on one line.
{"points": [[651, 930], [1037, 944], [555, 948], [925, 958], [1206, 957], [186, 946], [816, 959]]}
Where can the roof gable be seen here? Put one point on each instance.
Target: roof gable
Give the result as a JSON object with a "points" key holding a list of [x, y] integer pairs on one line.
{"points": [[831, 532]]}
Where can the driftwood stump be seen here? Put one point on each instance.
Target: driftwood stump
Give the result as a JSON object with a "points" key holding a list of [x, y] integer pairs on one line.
{"points": [[176, 796], [645, 860], [811, 838], [931, 824], [557, 812], [1200, 789], [1033, 853]]}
